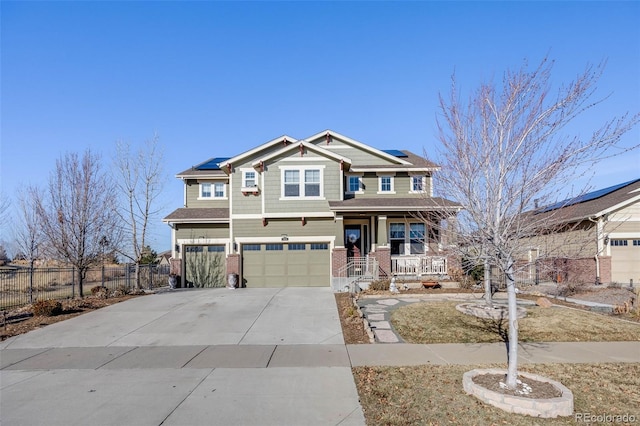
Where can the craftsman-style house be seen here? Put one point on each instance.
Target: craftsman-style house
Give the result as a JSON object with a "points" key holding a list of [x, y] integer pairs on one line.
{"points": [[320, 211], [591, 238]]}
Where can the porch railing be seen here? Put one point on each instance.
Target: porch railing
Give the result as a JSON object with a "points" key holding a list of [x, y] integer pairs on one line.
{"points": [[419, 265], [361, 269]]}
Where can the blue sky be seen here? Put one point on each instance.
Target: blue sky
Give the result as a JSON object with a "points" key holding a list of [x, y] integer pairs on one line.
{"points": [[217, 78]]}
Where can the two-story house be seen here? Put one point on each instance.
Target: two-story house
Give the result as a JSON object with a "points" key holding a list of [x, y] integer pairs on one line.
{"points": [[319, 211]]}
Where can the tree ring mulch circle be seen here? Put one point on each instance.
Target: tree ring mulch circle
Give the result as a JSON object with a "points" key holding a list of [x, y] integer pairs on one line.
{"points": [[495, 312], [535, 396]]}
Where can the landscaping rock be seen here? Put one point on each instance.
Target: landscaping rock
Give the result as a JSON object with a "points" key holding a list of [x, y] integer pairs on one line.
{"points": [[543, 302]]}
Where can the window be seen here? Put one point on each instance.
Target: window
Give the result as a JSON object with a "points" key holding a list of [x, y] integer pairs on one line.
{"points": [[312, 183], [274, 247], [636, 243], [249, 179], [194, 249], [205, 190], [215, 249], [396, 238], [302, 182], [385, 184], [297, 247], [291, 183], [210, 190], [416, 234], [411, 242], [319, 246], [353, 184], [417, 183], [251, 247], [619, 243], [218, 190]]}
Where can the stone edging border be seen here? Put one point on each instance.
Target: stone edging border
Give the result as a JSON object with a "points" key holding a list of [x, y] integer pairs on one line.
{"points": [[545, 408], [365, 322]]}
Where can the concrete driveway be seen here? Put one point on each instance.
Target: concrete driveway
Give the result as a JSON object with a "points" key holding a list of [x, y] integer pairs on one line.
{"points": [[190, 357]]}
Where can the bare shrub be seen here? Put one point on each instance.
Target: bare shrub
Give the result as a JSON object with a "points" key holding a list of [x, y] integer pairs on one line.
{"points": [[380, 285], [47, 308]]}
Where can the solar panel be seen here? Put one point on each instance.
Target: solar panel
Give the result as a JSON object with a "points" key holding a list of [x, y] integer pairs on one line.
{"points": [[395, 153], [211, 164], [587, 197]]}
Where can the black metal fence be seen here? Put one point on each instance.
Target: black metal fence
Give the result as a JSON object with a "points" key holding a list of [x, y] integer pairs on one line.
{"points": [[21, 286]]}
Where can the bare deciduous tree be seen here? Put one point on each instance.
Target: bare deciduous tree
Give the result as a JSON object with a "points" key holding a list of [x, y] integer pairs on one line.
{"points": [[140, 179], [28, 234], [77, 211], [5, 203], [504, 150]]}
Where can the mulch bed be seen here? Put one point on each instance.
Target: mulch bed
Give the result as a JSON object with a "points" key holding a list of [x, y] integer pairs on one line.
{"points": [[21, 321], [527, 388], [352, 325]]}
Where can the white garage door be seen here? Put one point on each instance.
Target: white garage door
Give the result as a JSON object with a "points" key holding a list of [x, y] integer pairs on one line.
{"points": [[625, 260], [286, 265]]}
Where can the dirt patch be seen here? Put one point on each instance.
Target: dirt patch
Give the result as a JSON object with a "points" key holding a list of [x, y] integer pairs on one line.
{"points": [[526, 387], [22, 320], [352, 325]]}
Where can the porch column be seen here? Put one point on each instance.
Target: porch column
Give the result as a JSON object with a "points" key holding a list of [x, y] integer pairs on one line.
{"points": [[339, 231], [382, 232], [338, 261], [383, 255]]}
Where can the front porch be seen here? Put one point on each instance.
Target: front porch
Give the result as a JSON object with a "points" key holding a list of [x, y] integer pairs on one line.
{"points": [[358, 272], [418, 266]]}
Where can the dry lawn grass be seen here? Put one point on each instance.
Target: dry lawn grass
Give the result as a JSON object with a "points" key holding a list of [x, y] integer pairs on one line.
{"points": [[440, 322], [433, 395]]}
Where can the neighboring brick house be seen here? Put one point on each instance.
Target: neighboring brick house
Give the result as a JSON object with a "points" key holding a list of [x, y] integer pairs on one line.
{"points": [[593, 238], [325, 210]]}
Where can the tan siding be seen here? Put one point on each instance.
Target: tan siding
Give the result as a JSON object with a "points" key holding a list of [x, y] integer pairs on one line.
{"points": [[273, 190], [573, 243], [249, 203], [402, 186], [275, 228], [357, 156], [631, 212], [628, 226], [193, 192], [202, 230]]}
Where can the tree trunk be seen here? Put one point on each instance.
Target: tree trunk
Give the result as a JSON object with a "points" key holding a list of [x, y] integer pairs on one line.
{"points": [[488, 297], [81, 275], [137, 276], [512, 369]]}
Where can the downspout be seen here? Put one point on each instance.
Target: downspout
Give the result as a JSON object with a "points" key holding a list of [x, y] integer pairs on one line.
{"points": [[599, 245]]}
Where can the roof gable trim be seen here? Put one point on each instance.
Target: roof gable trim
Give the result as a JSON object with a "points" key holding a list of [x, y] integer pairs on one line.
{"points": [[301, 145], [328, 134]]}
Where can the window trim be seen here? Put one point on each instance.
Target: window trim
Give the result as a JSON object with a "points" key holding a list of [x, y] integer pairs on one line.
{"points": [[407, 240], [412, 189], [212, 195], [302, 182], [360, 184], [253, 188], [391, 177]]}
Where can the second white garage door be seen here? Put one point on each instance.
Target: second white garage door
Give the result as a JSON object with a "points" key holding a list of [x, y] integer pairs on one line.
{"points": [[286, 265]]}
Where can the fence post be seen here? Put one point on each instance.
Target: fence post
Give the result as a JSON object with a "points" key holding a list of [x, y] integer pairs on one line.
{"points": [[31, 283], [73, 282]]}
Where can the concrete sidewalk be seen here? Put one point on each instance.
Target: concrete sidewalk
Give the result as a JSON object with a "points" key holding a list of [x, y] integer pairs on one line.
{"points": [[257, 357]]}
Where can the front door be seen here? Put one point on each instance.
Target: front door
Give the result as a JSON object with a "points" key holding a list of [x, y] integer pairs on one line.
{"points": [[356, 240]]}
